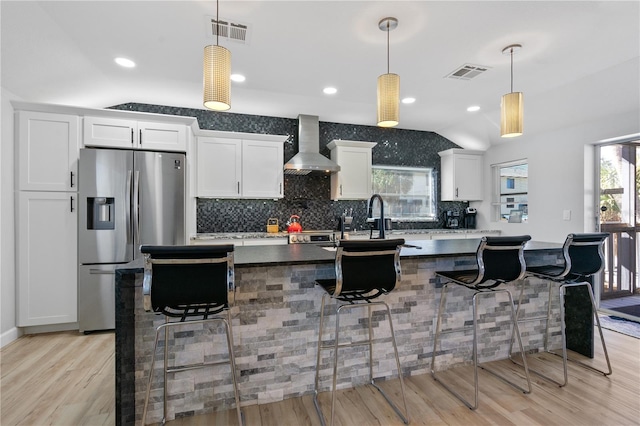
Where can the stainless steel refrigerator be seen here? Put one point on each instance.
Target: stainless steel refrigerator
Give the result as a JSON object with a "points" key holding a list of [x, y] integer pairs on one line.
{"points": [[126, 199]]}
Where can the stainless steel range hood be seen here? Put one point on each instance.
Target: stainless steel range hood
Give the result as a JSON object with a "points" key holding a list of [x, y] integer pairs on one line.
{"points": [[308, 159]]}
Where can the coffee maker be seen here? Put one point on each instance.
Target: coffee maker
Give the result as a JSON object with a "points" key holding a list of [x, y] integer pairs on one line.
{"points": [[469, 218], [451, 219]]}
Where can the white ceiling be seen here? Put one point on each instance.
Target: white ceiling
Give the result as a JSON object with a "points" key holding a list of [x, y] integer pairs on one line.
{"points": [[579, 61]]}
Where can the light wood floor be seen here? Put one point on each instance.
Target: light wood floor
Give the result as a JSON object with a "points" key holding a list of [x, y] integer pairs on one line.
{"points": [[67, 379]]}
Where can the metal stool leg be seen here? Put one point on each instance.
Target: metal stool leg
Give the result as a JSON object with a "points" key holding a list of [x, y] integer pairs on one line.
{"points": [[546, 335], [470, 405], [405, 416], [369, 342], [315, 388], [520, 346], [149, 381], [594, 311], [473, 405], [232, 362]]}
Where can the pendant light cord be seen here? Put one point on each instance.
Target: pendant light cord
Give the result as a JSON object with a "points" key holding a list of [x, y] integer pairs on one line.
{"points": [[388, 31], [512, 70], [218, 22]]}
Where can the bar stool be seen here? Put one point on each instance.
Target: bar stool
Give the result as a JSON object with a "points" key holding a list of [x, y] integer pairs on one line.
{"points": [[365, 270], [189, 285], [583, 257], [499, 260]]}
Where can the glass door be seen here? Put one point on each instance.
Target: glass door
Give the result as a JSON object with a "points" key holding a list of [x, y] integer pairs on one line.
{"points": [[619, 215]]}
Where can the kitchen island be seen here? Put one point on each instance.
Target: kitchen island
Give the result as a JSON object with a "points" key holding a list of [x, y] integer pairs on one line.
{"points": [[275, 326]]}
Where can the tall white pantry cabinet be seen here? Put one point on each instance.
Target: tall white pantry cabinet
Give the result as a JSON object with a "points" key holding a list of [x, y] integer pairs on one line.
{"points": [[46, 232]]}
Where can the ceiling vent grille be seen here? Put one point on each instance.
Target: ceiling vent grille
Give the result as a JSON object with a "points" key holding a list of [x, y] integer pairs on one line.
{"points": [[234, 31], [467, 72]]}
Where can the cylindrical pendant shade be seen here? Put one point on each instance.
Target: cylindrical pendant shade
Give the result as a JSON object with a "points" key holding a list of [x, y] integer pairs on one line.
{"points": [[511, 115], [217, 78], [388, 100]]}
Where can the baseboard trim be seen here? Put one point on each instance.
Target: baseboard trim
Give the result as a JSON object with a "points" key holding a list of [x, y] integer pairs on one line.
{"points": [[9, 336]]}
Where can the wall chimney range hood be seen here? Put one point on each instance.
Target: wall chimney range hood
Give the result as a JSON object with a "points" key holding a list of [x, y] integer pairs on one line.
{"points": [[308, 159]]}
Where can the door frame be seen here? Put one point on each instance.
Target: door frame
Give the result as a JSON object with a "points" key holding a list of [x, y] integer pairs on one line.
{"points": [[620, 230]]}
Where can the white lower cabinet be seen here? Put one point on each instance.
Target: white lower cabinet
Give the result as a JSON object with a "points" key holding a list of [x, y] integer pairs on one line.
{"points": [[47, 258]]}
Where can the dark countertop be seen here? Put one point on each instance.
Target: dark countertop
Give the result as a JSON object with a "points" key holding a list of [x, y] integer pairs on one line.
{"points": [[255, 235], [291, 254], [311, 253]]}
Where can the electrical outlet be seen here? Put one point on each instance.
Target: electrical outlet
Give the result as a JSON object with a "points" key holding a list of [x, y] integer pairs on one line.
{"points": [[566, 215]]}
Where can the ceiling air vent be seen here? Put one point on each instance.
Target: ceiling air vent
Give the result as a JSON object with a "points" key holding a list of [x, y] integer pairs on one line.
{"points": [[467, 72], [229, 30]]}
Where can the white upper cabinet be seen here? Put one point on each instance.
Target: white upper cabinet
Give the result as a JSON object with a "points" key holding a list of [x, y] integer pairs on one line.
{"points": [[47, 151], [353, 181], [461, 175], [228, 167], [218, 167], [123, 133], [262, 173]]}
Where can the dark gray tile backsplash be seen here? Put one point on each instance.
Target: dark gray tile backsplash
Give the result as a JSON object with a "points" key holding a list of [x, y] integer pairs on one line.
{"points": [[308, 196]]}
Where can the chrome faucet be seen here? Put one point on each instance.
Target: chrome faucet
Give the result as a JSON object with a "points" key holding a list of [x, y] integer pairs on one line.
{"points": [[381, 223]]}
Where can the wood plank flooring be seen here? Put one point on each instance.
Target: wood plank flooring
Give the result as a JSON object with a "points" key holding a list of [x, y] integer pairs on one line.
{"points": [[68, 379]]}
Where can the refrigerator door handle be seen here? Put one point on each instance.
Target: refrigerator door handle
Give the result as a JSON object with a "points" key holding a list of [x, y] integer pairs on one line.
{"points": [[136, 208], [101, 272], [128, 206]]}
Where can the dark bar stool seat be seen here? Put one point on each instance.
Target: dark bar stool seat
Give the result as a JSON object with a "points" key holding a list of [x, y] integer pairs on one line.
{"points": [[499, 260], [189, 285], [583, 257], [365, 270]]}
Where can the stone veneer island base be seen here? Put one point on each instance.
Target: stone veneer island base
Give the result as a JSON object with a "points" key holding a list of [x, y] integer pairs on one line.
{"points": [[275, 327]]}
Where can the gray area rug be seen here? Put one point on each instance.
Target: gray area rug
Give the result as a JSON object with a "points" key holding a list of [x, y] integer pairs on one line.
{"points": [[620, 325]]}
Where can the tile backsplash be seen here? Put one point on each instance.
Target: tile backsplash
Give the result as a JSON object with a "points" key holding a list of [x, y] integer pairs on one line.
{"points": [[308, 196]]}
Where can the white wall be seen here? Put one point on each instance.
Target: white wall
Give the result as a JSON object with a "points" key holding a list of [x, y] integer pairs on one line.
{"points": [[561, 177], [8, 330]]}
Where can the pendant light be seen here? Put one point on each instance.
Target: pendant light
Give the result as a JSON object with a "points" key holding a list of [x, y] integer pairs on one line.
{"points": [[217, 74], [388, 85], [511, 107]]}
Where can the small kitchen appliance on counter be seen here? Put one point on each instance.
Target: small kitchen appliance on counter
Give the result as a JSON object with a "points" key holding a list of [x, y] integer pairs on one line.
{"points": [[470, 218], [272, 225], [451, 219], [293, 224]]}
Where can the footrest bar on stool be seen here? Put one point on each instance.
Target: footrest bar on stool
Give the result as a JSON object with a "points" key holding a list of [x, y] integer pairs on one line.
{"points": [[509, 382], [318, 409], [454, 393], [395, 408], [539, 374]]}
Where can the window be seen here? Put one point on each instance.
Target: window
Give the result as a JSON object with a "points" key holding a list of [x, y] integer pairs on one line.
{"points": [[511, 198], [408, 192]]}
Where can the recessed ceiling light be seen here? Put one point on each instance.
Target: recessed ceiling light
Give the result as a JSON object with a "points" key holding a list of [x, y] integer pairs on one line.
{"points": [[238, 78], [124, 62], [408, 100], [473, 108], [330, 90]]}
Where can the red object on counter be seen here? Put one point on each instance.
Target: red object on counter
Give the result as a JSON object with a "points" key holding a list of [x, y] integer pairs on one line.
{"points": [[293, 225]]}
